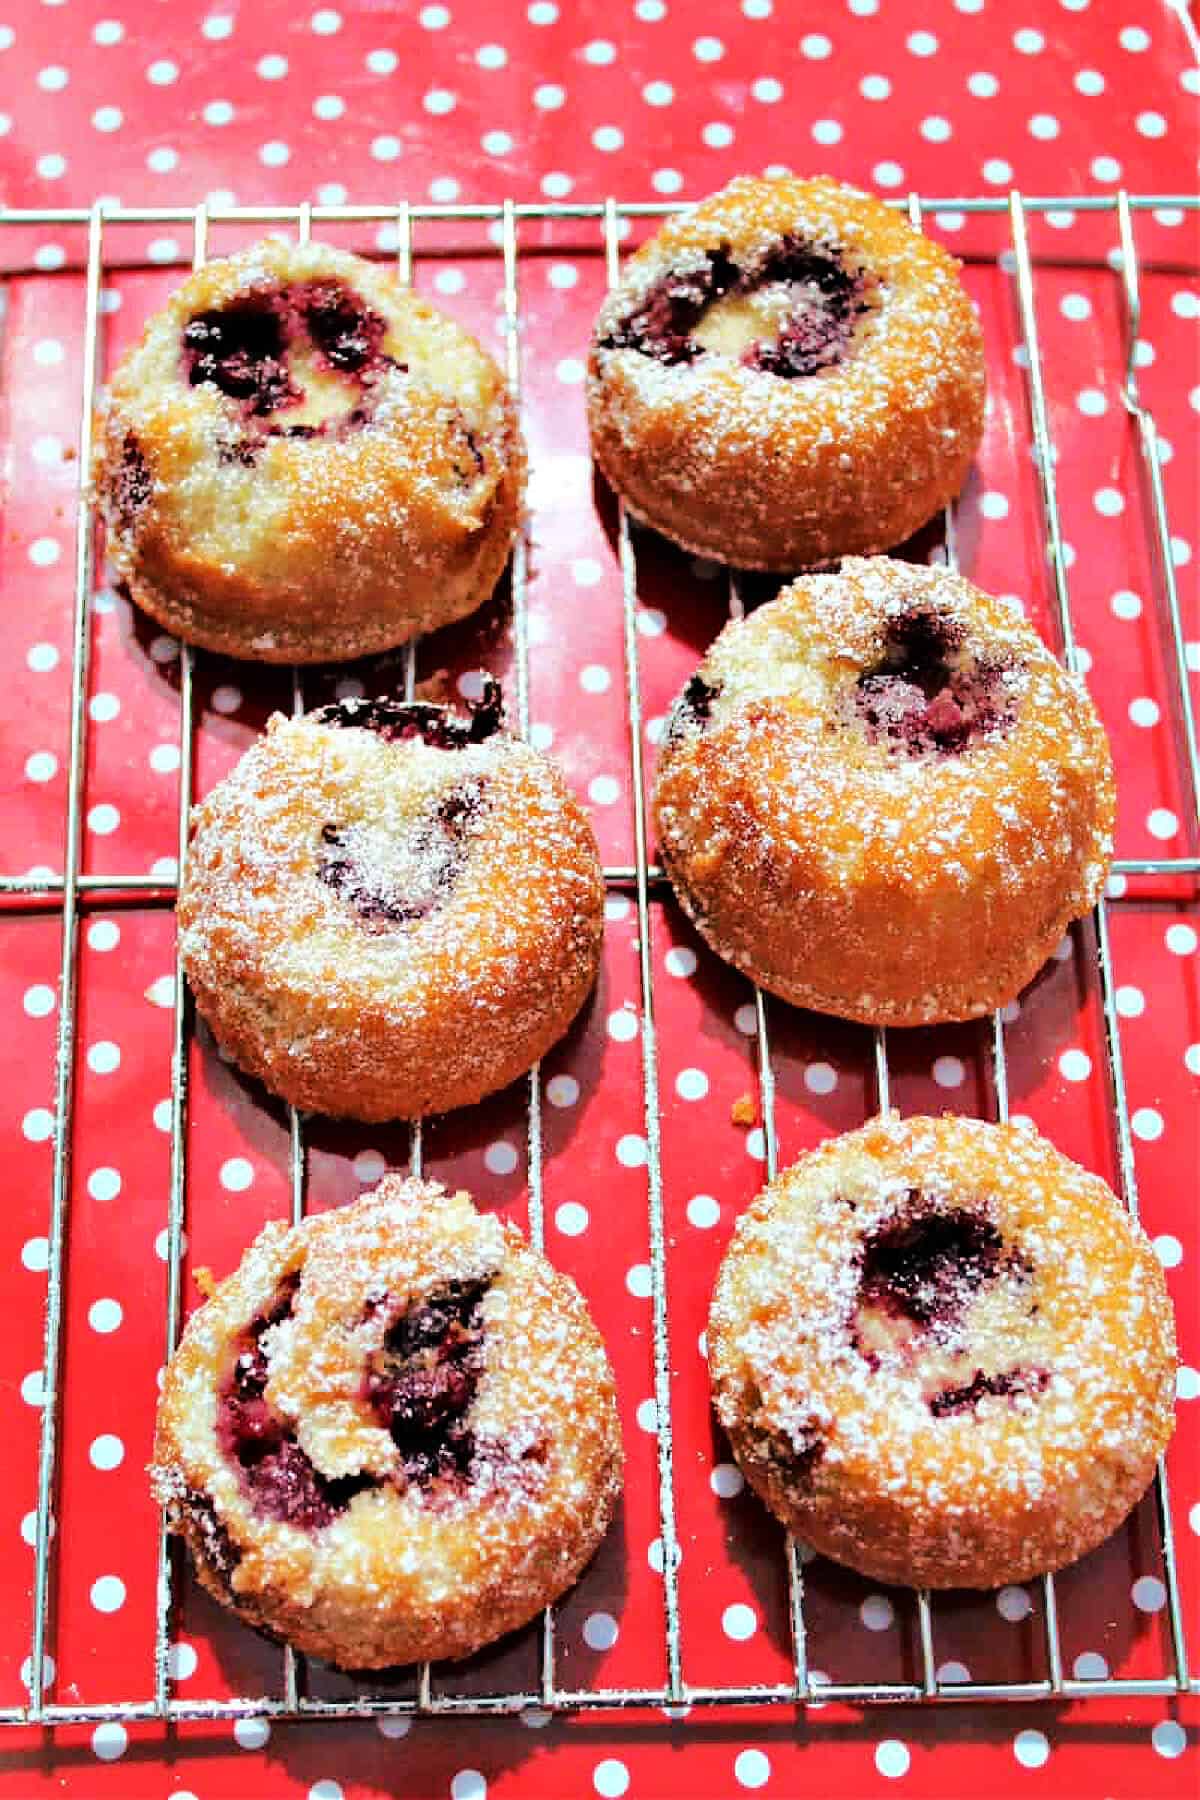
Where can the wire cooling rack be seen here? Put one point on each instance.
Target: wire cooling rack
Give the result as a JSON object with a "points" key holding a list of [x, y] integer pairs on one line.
{"points": [[70, 891]]}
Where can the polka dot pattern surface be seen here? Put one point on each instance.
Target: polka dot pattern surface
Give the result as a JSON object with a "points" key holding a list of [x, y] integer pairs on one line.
{"points": [[547, 101]]}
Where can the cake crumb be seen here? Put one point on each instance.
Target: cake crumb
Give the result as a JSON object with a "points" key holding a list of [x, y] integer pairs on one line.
{"points": [[743, 1111]]}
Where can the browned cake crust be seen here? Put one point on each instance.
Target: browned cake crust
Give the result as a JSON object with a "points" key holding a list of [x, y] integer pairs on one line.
{"points": [[391, 1434], [943, 1354], [839, 397], [388, 910], [882, 797], [301, 461]]}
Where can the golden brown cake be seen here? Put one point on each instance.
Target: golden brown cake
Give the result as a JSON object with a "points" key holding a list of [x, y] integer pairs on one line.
{"points": [[391, 1434], [389, 909], [301, 461], [943, 1354], [787, 374], [881, 796]]}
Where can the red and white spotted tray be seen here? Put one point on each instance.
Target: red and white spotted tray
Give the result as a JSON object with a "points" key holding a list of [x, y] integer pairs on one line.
{"points": [[558, 107]]}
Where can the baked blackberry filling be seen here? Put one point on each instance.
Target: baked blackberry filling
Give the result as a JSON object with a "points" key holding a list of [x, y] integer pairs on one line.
{"points": [[398, 720], [131, 489], [927, 1263], [394, 879], [792, 312], [422, 1383], [927, 695], [277, 1477], [244, 349], [1010, 1382]]}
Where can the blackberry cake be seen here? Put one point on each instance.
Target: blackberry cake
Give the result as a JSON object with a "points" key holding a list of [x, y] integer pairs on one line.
{"points": [[786, 374], [944, 1355], [390, 909], [391, 1434], [302, 461], [881, 796]]}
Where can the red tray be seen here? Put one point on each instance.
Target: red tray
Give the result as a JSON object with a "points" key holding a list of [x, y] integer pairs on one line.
{"points": [[636, 1197]]}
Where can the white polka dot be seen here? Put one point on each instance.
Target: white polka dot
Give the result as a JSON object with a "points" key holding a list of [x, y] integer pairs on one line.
{"points": [[33, 1389], [998, 172], [108, 118], [820, 1077], [1169, 1738], [1075, 307], [1194, 1518], [751, 1769], [951, 1673], [631, 1151], [108, 31], [104, 1057], [703, 1212], [104, 708], [600, 52], [666, 181], [325, 22], [382, 62], [218, 112], [1028, 42], [600, 1631], [1031, 1749], [53, 78], [815, 46], [1090, 1666], [708, 49], [1187, 1379], [500, 1158], [1109, 502], [271, 68], [1169, 1251], [638, 1281], [767, 90], [935, 129], [1013, 1604], [876, 1612], [1133, 38], [571, 1219], [236, 1174], [595, 679], [827, 131], [109, 1740], [251, 1734], [106, 1452], [35, 1255], [717, 135], [38, 1124], [104, 934], [44, 552], [726, 1481], [226, 698], [562, 1090], [892, 1758], [570, 370], [1044, 126], [610, 1778], [105, 1316], [746, 1019], [874, 87], [163, 72], [108, 1594], [993, 505], [46, 353], [1074, 1065], [1143, 711], [983, 85], [691, 1084], [42, 658], [1151, 124], [623, 1025], [370, 1165], [103, 819], [888, 174], [680, 961], [273, 154], [647, 1416], [1185, 305], [604, 790], [949, 1072], [1191, 1059], [39, 1001], [739, 1622], [608, 137], [326, 1790], [1148, 1594], [41, 766], [397, 1727], [1180, 940], [1162, 823], [585, 570], [46, 256]]}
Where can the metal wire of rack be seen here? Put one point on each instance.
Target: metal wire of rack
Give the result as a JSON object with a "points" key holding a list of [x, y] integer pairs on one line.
{"points": [[67, 893]]}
